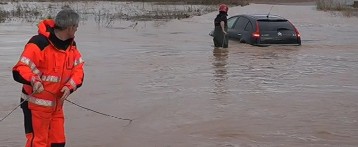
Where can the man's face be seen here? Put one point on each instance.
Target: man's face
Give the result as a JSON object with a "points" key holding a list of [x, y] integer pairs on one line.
{"points": [[72, 30]]}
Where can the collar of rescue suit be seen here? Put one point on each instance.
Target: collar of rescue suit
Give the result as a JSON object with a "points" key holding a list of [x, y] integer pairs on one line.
{"points": [[58, 43], [46, 28]]}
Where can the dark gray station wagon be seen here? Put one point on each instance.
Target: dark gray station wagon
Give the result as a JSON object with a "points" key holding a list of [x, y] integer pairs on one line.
{"points": [[263, 30]]}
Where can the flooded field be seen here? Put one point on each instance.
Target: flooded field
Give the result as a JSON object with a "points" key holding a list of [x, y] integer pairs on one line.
{"points": [[182, 93]]}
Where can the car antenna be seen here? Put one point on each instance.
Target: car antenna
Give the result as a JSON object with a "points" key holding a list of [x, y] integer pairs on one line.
{"points": [[269, 12]]}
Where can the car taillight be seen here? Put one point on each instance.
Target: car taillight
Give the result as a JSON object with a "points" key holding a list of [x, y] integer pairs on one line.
{"points": [[296, 31], [256, 34]]}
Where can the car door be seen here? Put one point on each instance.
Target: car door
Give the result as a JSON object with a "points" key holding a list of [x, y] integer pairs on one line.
{"points": [[239, 28], [231, 24], [246, 34]]}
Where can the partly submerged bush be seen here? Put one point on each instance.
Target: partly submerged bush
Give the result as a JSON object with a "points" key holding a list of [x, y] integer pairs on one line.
{"points": [[205, 2], [157, 10], [3, 15], [336, 5], [331, 5]]}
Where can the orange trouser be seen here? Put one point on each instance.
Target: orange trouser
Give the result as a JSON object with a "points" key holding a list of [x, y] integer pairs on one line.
{"points": [[44, 126]]}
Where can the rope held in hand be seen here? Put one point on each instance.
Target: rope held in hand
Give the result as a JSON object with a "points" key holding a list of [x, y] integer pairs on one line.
{"points": [[104, 114]]}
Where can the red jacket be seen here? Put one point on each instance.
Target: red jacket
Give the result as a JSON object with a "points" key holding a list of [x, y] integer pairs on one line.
{"points": [[54, 62]]}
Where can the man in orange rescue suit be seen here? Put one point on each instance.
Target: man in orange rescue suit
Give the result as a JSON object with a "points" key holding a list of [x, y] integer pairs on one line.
{"points": [[50, 69]]}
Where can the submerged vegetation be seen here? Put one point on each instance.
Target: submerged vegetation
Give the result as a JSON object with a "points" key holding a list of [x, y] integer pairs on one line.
{"points": [[337, 6], [138, 10], [134, 10], [200, 2]]}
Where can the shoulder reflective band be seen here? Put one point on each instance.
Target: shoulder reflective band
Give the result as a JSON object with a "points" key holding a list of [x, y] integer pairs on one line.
{"points": [[78, 61], [32, 65]]}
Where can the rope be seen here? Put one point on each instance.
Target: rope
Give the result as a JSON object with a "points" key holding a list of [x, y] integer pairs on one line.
{"points": [[104, 114], [13, 109]]}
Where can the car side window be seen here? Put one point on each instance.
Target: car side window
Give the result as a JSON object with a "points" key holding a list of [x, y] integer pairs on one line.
{"points": [[231, 21], [241, 23], [249, 27]]}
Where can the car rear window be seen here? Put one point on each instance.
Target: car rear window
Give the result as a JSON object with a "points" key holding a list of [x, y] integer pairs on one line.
{"points": [[274, 25]]}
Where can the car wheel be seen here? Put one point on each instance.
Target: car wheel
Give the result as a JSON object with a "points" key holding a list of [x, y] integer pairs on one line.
{"points": [[242, 41]]}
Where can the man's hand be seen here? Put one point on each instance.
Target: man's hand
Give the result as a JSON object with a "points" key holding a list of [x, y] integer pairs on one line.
{"points": [[66, 92], [37, 87]]}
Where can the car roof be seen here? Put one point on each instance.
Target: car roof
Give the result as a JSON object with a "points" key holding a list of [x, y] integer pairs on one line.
{"points": [[262, 17]]}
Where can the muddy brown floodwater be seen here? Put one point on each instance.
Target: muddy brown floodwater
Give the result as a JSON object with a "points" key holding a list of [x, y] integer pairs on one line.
{"points": [[183, 93]]}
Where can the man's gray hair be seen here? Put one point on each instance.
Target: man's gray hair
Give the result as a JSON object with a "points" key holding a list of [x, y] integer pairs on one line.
{"points": [[66, 18]]}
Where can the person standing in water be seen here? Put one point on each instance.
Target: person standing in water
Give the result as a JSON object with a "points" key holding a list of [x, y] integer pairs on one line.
{"points": [[220, 39], [50, 69]]}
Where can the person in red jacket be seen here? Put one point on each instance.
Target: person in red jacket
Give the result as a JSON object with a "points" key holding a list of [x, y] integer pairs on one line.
{"points": [[50, 69]]}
